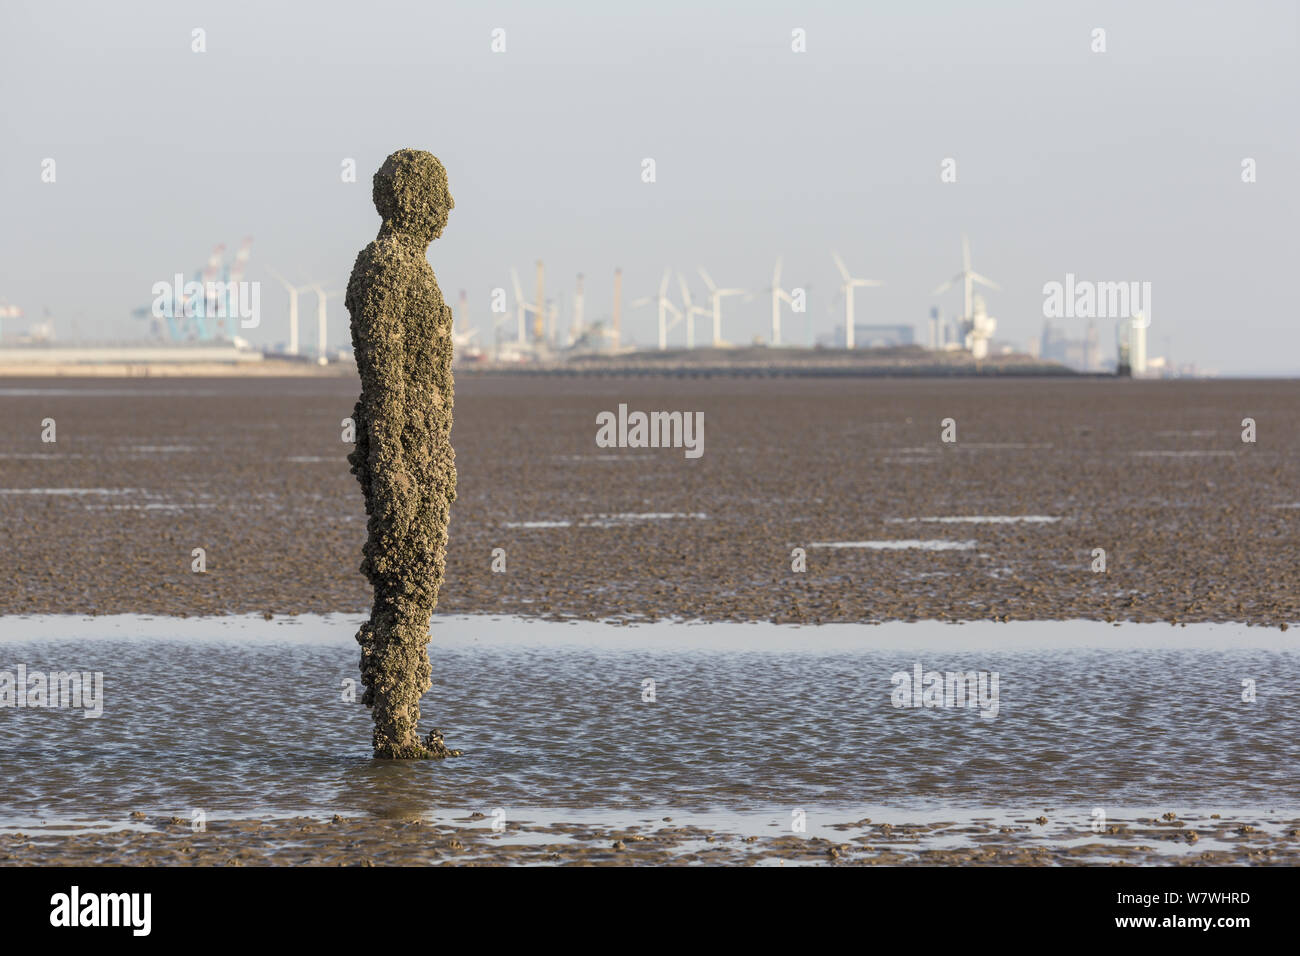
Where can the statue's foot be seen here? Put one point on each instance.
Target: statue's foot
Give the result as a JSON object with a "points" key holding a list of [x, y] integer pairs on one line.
{"points": [[431, 747]]}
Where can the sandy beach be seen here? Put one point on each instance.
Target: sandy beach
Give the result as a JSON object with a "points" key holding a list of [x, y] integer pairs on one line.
{"points": [[341, 841], [895, 526], [895, 523]]}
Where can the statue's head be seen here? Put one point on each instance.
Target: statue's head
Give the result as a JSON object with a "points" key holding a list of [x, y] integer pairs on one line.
{"points": [[411, 194]]}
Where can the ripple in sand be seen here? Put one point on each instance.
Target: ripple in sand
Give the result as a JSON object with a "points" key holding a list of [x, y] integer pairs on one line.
{"points": [[68, 491], [978, 519], [608, 520], [1203, 453], [899, 545], [614, 520]]}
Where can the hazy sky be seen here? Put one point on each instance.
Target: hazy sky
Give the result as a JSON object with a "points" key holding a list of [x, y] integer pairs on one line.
{"points": [[1124, 165]]}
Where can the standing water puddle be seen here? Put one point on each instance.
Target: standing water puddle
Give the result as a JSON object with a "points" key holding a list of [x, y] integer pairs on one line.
{"points": [[241, 716]]}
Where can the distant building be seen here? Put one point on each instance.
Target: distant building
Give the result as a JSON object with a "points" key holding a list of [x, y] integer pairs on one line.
{"points": [[1082, 354], [882, 336], [869, 336], [1131, 346], [1092, 349]]}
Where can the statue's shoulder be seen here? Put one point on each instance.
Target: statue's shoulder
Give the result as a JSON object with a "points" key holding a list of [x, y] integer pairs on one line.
{"points": [[382, 268], [380, 256], [389, 258]]}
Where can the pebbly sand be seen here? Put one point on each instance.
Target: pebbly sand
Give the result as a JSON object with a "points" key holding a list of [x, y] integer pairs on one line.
{"points": [[1197, 525], [348, 841], [772, 744]]}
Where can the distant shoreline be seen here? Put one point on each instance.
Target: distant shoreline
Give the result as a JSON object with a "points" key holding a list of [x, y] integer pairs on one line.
{"points": [[907, 361], [269, 368]]}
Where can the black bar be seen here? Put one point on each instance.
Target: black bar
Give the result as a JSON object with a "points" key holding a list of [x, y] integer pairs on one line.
{"points": [[947, 905]]}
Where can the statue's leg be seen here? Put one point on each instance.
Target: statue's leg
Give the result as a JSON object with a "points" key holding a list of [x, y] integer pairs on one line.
{"points": [[399, 674]]}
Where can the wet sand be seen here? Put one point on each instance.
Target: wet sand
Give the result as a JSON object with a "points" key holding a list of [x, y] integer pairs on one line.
{"points": [[1197, 526], [340, 841], [553, 721]]}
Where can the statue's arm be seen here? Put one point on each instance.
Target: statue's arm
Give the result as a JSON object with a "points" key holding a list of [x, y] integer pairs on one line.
{"points": [[376, 305]]}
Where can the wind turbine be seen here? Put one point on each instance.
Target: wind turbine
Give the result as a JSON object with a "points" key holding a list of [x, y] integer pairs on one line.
{"points": [[850, 284], [717, 295], [321, 297], [979, 328], [665, 306], [778, 294], [293, 308], [691, 311], [521, 308], [966, 277]]}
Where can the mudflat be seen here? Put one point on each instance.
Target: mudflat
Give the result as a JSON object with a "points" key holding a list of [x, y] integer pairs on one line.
{"points": [[894, 522], [415, 841]]}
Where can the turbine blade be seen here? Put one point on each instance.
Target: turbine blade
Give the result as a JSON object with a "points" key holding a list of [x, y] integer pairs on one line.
{"points": [[707, 279], [839, 264], [686, 290], [984, 281]]}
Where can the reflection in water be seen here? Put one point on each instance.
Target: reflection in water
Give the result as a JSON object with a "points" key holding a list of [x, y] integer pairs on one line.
{"points": [[745, 718]]}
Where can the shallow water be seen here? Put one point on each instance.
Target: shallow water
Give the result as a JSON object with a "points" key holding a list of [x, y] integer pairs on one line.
{"points": [[242, 716]]}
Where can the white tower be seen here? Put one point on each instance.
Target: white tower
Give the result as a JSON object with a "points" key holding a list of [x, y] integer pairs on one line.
{"points": [[717, 295], [778, 295], [321, 298], [850, 284], [665, 306], [1138, 345], [967, 277], [690, 310], [575, 330], [980, 329], [293, 309]]}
